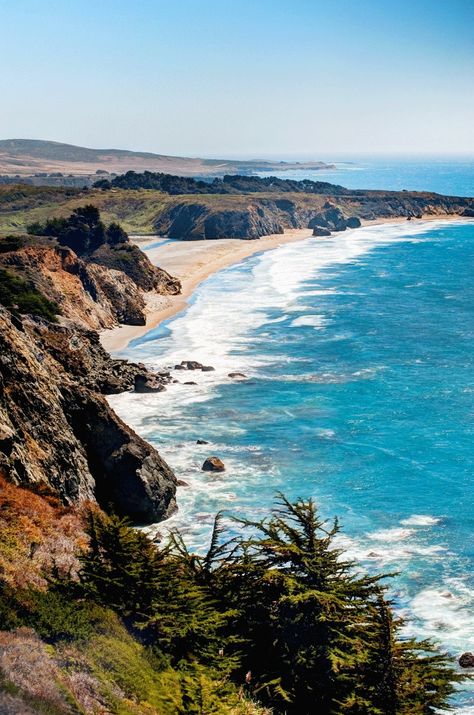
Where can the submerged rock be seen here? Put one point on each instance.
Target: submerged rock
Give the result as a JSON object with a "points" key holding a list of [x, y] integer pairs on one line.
{"points": [[213, 464], [236, 375], [201, 441]]}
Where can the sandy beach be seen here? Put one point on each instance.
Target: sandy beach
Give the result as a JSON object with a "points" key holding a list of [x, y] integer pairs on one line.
{"points": [[194, 261]]}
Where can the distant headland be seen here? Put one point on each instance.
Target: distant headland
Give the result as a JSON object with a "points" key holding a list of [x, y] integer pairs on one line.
{"points": [[54, 163]]}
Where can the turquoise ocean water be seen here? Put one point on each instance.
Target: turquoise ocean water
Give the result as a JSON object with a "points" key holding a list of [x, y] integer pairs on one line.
{"points": [[360, 393]]}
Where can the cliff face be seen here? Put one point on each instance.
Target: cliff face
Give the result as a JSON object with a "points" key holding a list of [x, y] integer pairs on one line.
{"points": [[97, 293], [255, 216], [57, 428]]}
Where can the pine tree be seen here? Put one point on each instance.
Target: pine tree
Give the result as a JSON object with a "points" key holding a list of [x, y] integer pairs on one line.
{"points": [[305, 612], [320, 636], [121, 566]]}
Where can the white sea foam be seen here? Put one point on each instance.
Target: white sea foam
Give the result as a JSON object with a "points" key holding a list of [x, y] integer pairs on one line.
{"points": [[315, 321], [391, 535], [446, 612], [420, 520]]}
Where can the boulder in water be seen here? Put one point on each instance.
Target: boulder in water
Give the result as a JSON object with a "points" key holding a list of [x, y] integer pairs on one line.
{"points": [[466, 660], [213, 464], [148, 383]]}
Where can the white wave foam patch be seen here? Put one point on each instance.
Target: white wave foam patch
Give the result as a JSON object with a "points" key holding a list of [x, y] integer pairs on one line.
{"points": [[315, 321], [446, 612], [391, 535], [420, 520]]}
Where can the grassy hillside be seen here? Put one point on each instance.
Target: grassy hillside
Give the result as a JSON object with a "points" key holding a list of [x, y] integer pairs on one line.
{"points": [[30, 156], [138, 210]]}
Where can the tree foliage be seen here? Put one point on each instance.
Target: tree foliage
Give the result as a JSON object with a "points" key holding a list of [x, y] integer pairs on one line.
{"points": [[277, 614], [229, 184], [281, 611], [83, 231]]}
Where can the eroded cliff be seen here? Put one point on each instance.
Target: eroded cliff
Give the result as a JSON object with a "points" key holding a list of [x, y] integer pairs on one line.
{"points": [[57, 428], [99, 291], [253, 216]]}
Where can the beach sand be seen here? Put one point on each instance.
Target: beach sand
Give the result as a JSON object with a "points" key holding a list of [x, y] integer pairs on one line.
{"points": [[194, 261]]}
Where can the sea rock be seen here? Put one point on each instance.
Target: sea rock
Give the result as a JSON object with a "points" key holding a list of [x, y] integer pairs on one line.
{"points": [[319, 231], [148, 383], [182, 483], [201, 441], [189, 383], [213, 464], [235, 375], [353, 222], [191, 365], [466, 660]]}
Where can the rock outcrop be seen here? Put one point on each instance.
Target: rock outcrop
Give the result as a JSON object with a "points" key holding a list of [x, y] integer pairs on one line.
{"points": [[254, 215], [332, 219], [57, 428], [193, 365], [213, 464], [97, 292]]}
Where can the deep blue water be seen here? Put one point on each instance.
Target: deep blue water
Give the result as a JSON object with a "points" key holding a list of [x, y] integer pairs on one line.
{"points": [[360, 363], [445, 176]]}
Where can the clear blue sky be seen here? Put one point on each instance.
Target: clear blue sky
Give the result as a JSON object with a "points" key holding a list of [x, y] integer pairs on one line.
{"points": [[241, 77]]}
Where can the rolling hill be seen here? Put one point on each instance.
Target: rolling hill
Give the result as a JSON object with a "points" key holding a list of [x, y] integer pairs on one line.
{"points": [[26, 157]]}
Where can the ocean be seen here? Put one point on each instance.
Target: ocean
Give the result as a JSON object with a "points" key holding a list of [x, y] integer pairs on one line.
{"points": [[358, 352]]}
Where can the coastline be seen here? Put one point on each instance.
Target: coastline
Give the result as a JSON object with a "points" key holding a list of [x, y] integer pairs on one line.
{"points": [[195, 261]]}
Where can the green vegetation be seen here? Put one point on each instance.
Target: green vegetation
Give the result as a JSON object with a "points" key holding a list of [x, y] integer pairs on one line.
{"points": [[229, 184], [10, 243], [21, 297], [276, 619], [82, 231]]}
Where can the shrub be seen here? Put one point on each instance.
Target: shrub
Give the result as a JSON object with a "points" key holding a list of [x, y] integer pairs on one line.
{"points": [[21, 297]]}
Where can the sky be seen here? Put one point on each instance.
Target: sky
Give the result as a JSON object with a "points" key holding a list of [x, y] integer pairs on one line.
{"points": [[281, 78]]}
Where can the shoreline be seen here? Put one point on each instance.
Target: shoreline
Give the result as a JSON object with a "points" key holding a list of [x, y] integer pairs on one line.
{"points": [[195, 261]]}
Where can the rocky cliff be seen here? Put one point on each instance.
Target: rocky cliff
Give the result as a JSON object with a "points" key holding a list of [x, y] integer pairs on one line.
{"points": [[99, 291], [57, 428], [253, 216]]}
